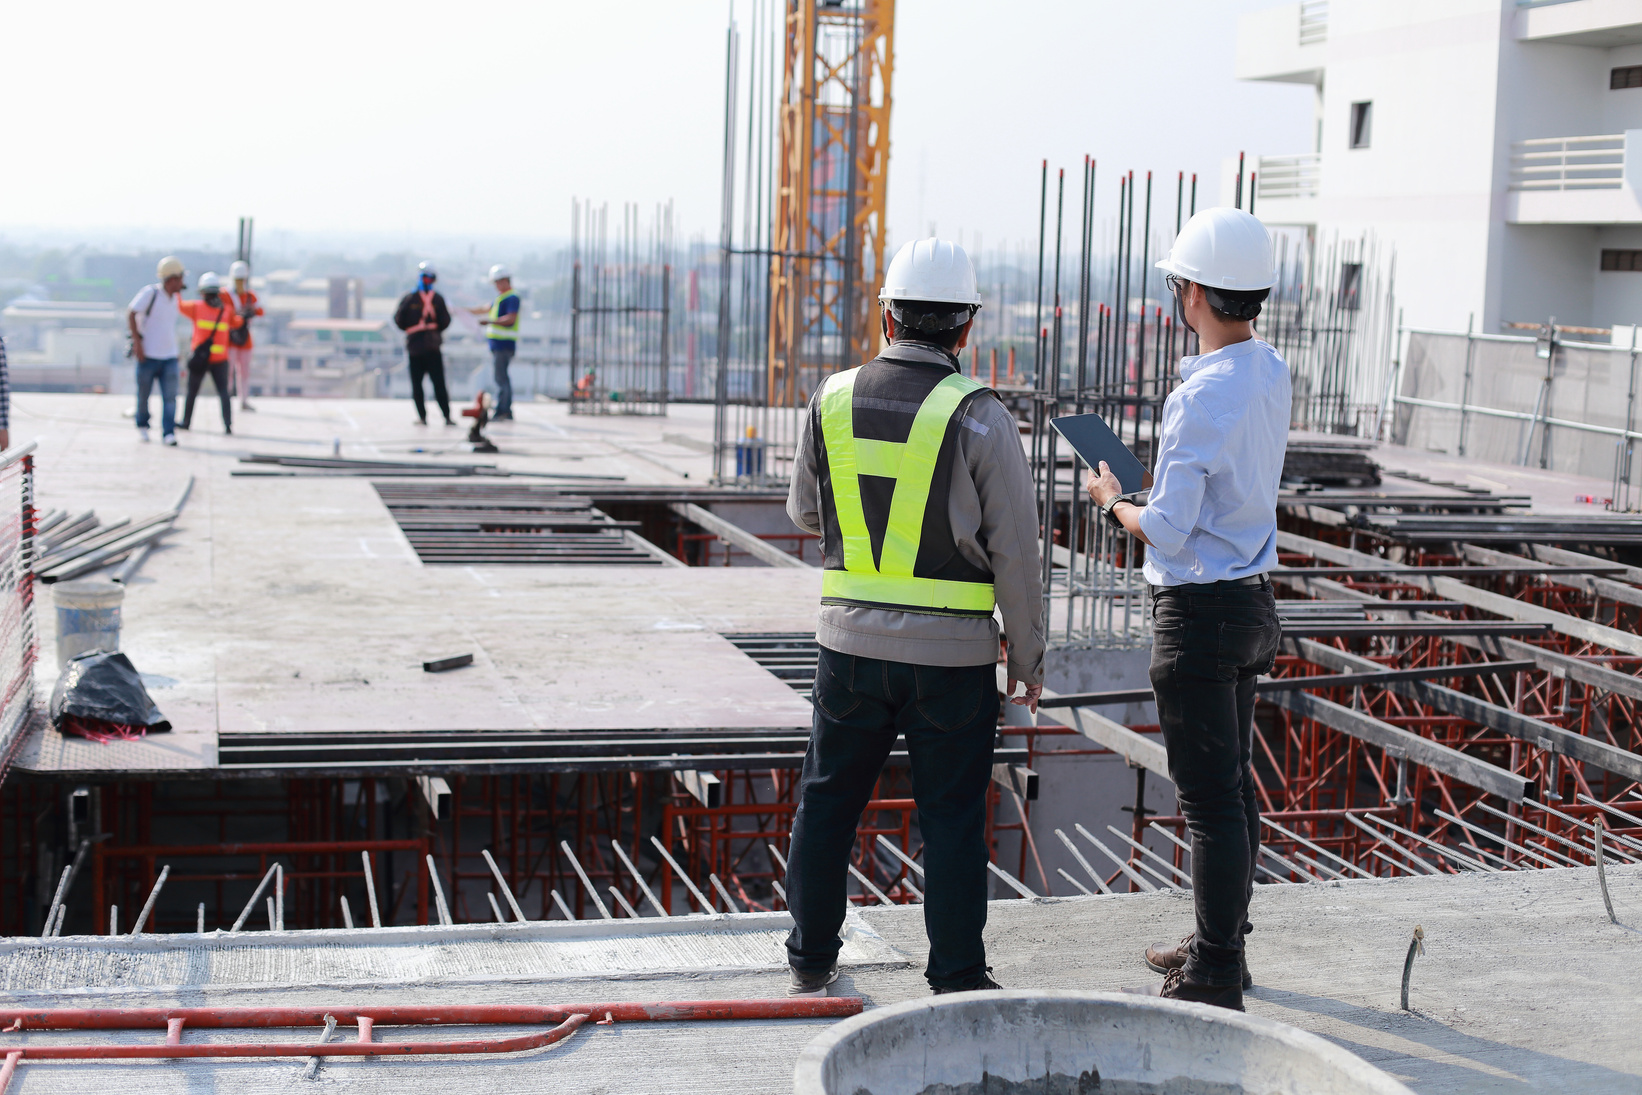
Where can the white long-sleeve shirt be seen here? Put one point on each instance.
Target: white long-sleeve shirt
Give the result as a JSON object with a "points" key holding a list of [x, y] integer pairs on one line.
{"points": [[1212, 514]]}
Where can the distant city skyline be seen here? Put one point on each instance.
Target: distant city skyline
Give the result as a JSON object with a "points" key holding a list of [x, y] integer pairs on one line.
{"points": [[376, 126]]}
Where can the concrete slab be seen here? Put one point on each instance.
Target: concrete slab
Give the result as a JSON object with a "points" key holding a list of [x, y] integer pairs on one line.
{"points": [[1526, 987], [295, 603]]}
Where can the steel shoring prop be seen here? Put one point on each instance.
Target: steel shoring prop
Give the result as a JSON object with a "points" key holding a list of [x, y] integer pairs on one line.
{"points": [[637, 877], [1082, 862], [587, 883], [1122, 864], [1523, 849], [501, 884]]}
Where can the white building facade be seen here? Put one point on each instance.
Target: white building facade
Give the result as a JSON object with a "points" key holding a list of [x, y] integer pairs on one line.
{"points": [[1495, 144]]}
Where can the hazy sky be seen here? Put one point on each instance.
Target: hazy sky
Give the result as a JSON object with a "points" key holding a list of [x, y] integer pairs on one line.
{"points": [[407, 122]]}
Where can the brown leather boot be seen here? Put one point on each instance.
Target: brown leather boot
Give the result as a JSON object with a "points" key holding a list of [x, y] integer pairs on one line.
{"points": [[1176, 987], [1163, 957]]}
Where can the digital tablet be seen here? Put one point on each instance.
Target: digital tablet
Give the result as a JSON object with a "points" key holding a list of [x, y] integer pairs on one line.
{"points": [[1094, 440]]}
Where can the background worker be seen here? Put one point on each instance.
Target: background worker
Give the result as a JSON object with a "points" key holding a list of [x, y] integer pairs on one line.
{"points": [[914, 477], [239, 339], [1210, 528], [214, 317], [152, 320], [503, 318], [423, 316]]}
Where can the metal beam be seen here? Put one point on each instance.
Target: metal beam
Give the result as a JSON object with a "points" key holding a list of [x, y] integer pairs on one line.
{"points": [[1536, 732], [1574, 576], [762, 550], [1403, 743]]}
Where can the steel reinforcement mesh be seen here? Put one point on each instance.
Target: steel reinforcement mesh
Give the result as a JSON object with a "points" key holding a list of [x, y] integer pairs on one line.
{"points": [[18, 642]]}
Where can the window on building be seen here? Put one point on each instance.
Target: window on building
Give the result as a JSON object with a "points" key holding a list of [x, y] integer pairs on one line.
{"points": [[1362, 124], [293, 364], [293, 391], [1621, 78], [1627, 261]]}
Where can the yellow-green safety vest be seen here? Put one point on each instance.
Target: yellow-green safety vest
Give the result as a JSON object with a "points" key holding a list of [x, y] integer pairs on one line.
{"points": [[506, 334], [890, 582]]}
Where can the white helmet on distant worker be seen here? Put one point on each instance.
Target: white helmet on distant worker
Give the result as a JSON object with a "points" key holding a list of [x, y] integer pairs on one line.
{"points": [[1223, 248], [240, 271], [934, 270], [208, 280], [498, 272], [169, 267], [426, 269]]}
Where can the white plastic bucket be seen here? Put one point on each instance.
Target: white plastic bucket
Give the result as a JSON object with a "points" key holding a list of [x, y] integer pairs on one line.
{"points": [[88, 617]]}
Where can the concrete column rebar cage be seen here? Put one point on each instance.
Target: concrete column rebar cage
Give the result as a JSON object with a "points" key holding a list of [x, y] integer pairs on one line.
{"points": [[620, 312]]}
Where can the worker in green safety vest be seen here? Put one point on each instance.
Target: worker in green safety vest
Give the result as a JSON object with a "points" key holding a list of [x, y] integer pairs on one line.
{"points": [[915, 479], [502, 317]]}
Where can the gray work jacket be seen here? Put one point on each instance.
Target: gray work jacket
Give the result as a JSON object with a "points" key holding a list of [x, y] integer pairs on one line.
{"points": [[994, 515]]}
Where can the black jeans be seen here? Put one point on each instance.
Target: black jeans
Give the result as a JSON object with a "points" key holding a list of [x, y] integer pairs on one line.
{"points": [[1209, 644], [430, 364], [219, 377], [949, 716]]}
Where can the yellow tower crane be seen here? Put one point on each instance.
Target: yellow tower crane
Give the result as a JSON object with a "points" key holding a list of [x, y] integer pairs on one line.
{"points": [[832, 176]]}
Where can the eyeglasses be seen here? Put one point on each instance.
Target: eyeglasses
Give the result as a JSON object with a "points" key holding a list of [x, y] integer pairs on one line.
{"points": [[1175, 282]]}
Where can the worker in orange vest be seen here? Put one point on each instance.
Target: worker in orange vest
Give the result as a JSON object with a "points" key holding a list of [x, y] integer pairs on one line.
{"points": [[245, 303], [213, 316]]}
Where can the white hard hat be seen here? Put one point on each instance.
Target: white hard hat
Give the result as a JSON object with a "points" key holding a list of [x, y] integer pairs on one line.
{"points": [[934, 270], [208, 280], [169, 267], [498, 272], [1223, 248], [427, 268], [239, 270]]}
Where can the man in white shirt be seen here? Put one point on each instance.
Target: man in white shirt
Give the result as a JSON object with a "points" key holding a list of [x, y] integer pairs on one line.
{"points": [[152, 319], [1210, 527]]}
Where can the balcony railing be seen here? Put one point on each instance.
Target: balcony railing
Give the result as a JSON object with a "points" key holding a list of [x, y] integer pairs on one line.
{"points": [[1313, 22], [1569, 163], [1284, 178]]}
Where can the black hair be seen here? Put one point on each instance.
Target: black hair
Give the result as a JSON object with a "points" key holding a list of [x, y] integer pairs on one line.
{"points": [[940, 323], [1235, 304]]}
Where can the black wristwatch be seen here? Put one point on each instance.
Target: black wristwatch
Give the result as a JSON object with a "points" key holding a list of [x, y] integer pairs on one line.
{"points": [[1136, 498]]}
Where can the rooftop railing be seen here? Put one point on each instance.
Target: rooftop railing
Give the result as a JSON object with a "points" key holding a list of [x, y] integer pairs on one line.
{"points": [[1569, 163]]}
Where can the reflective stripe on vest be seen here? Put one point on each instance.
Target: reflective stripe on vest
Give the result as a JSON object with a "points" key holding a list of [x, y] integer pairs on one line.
{"points": [[911, 464], [510, 334]]}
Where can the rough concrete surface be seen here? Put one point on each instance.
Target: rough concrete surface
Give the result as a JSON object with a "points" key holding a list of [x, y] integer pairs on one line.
{"points": [[1525, 987]]}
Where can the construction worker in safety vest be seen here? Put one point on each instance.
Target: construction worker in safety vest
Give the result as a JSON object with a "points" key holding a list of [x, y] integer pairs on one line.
{"points": [[503, 319], [239, 340], [213, 316], [1210, 530], [915, 479], [423, 316]]}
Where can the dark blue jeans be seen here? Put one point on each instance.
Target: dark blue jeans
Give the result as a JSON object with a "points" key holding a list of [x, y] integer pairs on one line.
{"points": [[949, 716], [501, 359], [1209, 644], [163, 369]]}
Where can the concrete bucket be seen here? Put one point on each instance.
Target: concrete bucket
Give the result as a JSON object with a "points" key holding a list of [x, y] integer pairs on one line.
{"points": [[1015, 1042]]}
